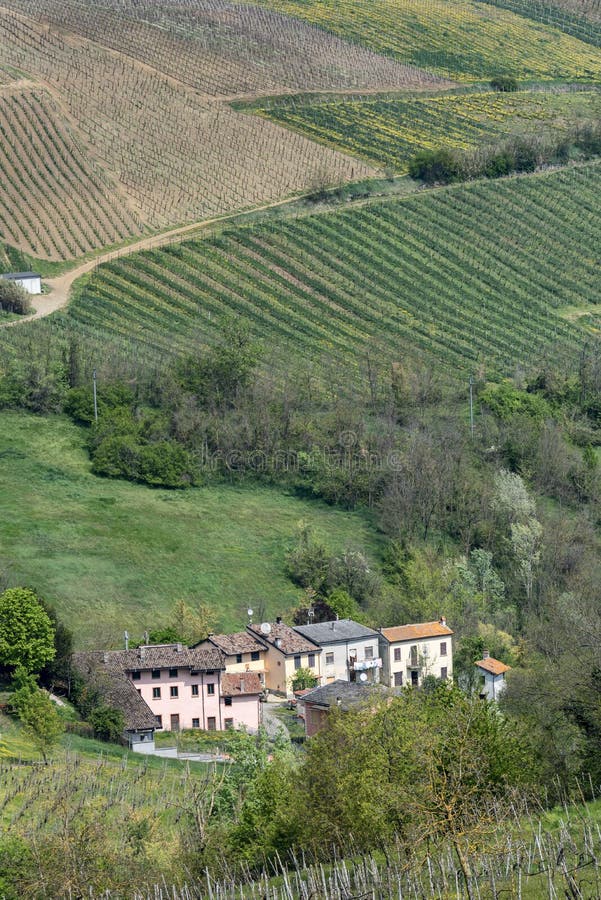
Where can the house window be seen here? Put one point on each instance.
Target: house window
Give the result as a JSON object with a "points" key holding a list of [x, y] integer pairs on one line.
{"points": [[443, 673], [156, 673], [297, 662], [238, 657], [195, 723], [172, 673], [255, 655], [227, 701], [443, 648], [136, 676], [311, 659], [210, 688], [156, 693], [195, 690], [159, 721], [369, 653], [397, 654], [211, 724], [329, 659], [398, 679], [229, 723], [173, 690]]}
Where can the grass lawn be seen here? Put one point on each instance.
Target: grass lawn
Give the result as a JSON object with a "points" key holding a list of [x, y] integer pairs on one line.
{"points": [[111, 555]]}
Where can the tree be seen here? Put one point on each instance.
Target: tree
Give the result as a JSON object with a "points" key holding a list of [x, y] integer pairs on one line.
{"points": [[302, 679], [26, 632], [192, 623], [14, 298], [40, 720]]}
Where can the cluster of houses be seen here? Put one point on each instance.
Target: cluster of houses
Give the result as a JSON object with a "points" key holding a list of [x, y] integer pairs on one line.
{"points": [[221, 682]]}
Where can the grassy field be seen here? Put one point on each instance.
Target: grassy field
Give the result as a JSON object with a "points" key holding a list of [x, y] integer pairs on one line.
{"points": [[112, 555], [390, 130], [472, 276], [461, 39]]}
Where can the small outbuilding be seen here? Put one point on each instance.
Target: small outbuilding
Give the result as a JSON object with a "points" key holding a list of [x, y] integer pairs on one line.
{"points": [[29, 281], [492, 676]]}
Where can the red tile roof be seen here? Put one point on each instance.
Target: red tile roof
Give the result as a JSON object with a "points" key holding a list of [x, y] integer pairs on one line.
{"points": [[416, 632], [291, 641], [240, 683], [492, 665], [232, 644]]}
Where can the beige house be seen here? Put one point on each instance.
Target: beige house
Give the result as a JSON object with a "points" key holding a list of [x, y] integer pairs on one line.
{"points": [[411, 652], [286, 653], [242, 651]]}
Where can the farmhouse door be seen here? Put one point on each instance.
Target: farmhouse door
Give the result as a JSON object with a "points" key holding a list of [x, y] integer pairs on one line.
{"points": [[175, 722]]}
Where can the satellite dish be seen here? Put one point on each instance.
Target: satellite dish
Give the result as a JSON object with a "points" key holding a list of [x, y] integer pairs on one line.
{"points": [[265, 628], [362, 677], [249, 612]]}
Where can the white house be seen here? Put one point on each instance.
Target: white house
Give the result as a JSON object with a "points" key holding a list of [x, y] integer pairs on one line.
{"points": [[29, 281], [411, 652], [349, 650], [492, 676]]}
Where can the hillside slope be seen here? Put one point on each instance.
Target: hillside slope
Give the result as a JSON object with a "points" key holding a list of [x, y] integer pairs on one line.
{"points": [[472, 276]]}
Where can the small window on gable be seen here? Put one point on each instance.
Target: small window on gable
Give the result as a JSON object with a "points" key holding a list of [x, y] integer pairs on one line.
{"points": [[311, 659], [297, 662], [329, 659], [227, 701], [156, 673], [397, 654], [369, 653], [136, 676], [443, 648], [238, 657], [255, 655], [172, 673]]}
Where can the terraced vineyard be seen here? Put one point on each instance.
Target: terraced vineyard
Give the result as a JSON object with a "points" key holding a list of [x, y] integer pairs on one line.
{"points": [[55, 203], [390, 130], [178, 156], [461, 39], [471, 276]]}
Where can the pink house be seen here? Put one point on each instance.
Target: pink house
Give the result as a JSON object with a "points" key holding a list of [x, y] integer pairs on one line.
{"points": [[240, 699], [183, 687]]}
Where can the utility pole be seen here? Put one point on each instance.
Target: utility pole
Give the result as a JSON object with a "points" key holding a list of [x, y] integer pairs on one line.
{"points": [[472, 406], [95, 399]]}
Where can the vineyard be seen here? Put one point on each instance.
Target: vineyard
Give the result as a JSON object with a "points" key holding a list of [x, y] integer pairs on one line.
{"points": [[177, 155], [390, 130], [55, 203], [471, 276], [222, 48], [461, 39]]}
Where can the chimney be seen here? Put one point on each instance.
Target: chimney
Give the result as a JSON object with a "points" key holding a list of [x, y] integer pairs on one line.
{"points": [[126, 638], [485, 654], [178, 647], [105, 657], [278, 620], [278, 643], [443, 621]]}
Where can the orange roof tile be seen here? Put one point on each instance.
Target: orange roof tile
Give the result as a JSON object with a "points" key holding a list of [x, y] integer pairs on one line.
{"points": [[416, 632], [494, 666]]}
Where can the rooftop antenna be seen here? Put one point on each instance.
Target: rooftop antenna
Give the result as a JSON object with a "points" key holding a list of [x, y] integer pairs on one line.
{"points": [[126, 638]]}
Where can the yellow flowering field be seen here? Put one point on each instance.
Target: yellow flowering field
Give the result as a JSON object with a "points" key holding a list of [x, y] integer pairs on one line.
{"points": [[390, 130], [462, 39]]}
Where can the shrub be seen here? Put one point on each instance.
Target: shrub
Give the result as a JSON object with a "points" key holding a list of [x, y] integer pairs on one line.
{"points": [[14, 298], [108, 723], [440, 166], [504, 83]]}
